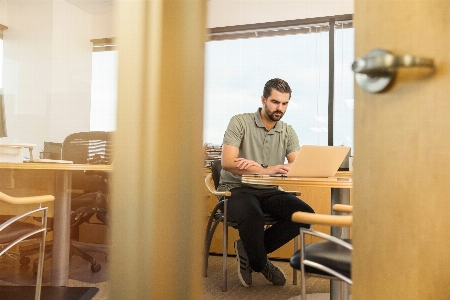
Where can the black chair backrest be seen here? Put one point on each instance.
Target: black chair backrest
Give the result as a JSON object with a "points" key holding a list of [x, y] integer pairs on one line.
{"points": [[216, 167], [92, 147]]}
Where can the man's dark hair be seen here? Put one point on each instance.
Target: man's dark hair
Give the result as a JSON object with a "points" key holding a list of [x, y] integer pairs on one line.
{"points": [[278, 84]]}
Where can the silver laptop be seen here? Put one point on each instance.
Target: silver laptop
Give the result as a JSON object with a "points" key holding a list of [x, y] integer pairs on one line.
{"points": [[318, 161]]}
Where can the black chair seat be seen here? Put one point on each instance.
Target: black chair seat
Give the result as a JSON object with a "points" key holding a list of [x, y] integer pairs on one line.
{"points": [[326, 253], [17, 230]]}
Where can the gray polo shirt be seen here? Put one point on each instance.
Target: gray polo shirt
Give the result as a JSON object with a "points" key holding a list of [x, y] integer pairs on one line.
{"points": [[255, 142]]}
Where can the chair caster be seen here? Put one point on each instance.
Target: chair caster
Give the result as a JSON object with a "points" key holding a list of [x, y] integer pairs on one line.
{"points": [[96, 268], [24, 260]]}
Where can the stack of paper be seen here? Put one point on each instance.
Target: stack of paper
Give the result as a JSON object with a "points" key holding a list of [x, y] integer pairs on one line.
{"points": [[212, 152]]}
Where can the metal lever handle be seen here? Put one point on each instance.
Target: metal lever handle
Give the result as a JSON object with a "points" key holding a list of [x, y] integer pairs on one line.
{"points": [[376, 71]]}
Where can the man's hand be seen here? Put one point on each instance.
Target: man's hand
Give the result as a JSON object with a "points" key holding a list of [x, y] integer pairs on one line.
{"points": [[243, 166], [278, 169], [244, 163]]}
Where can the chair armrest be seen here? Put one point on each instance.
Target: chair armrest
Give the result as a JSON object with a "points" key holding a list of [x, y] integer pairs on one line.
{"points": [[330, 220], [212, 189], [295, 193], [343, 208], [25, 200]]}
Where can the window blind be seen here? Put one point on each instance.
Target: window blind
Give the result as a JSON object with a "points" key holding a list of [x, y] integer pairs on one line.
{"points": [[290, 27], [105, 44]]}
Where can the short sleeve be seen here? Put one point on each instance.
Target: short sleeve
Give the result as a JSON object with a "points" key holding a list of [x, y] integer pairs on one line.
{"points": [[292, 140], [234, 133]]}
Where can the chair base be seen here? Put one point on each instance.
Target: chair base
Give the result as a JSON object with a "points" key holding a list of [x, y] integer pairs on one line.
{"points": [[76, 248]]}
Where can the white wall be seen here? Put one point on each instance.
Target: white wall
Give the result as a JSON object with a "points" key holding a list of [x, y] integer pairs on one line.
{"points": [[102, 25], [3, 5], [47, 71], [240, 12]]}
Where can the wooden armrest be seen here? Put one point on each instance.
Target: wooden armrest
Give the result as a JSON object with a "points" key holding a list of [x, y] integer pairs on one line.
{"points": [[330, 220], [343, 208], [25, 200], [295, 193], [212, 189]]}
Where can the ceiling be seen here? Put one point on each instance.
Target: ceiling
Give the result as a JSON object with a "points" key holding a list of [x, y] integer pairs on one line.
{"points": [[93, 6]]}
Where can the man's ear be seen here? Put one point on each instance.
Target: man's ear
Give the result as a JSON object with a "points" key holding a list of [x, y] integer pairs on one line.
{"points": [[263, 100]]}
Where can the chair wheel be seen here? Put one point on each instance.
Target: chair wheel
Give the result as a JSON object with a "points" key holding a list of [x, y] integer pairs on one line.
{"points": [[96, 268], [24, 260]]}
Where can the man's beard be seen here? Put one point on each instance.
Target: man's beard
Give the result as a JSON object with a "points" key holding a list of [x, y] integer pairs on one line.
{"points": [[271, 114]]}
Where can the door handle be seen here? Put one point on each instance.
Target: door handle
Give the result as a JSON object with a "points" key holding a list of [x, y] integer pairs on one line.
{"points": [[376, 71]]}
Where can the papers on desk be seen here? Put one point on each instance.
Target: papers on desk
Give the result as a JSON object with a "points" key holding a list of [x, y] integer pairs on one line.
{"points": [[13, 152], [55, 161], [286, 177]]}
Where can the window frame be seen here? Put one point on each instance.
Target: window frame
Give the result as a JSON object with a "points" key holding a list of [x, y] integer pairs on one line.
{"points": [[290, 27]]}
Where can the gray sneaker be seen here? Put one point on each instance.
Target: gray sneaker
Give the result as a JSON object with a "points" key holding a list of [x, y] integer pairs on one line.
{"points": [[244, 269], [274, 274]]}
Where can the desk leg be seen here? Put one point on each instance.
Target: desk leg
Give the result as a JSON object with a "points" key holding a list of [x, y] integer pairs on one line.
{"points": [[339, 196], [61, 229]]}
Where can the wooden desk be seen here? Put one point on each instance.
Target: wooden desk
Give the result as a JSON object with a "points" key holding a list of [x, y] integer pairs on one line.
{"points": [[61, 223], [340, 193]]}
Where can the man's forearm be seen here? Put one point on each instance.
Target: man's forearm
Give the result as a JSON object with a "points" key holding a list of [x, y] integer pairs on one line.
{"points": [[249, 171], [257, 169]]}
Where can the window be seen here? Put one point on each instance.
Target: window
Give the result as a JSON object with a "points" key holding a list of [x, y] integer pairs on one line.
{"points": [[237, 69], [104, 89], [2, 27], [343, 87], [1, 63]]}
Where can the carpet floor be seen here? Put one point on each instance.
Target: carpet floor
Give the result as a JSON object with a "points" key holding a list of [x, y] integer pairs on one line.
{"points": [[261, 288], [81, 276]]}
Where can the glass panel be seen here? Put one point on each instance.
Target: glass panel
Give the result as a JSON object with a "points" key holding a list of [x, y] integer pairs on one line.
{"points": [[104, 91], [236, 71], [343, 87], [1, 63]]}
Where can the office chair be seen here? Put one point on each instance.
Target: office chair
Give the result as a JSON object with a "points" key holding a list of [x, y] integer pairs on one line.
{"points": [[219, 215], [329, 258], [13, 231], [89, 190]]}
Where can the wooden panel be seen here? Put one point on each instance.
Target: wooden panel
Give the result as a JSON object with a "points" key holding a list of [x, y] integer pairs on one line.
{"points": [[402, 157]]}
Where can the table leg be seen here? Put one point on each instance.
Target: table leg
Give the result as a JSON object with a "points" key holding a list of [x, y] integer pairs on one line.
{"points": [[61, 229], [339, 196]]}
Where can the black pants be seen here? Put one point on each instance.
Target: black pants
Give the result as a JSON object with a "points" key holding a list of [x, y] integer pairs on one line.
{"points": [[247, 207]]}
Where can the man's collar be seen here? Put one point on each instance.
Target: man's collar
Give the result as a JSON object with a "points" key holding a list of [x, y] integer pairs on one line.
{"points": [[260, 123]]}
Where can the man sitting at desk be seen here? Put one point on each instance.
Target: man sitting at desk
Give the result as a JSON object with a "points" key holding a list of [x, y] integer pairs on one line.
{"points": [[259, 143]]}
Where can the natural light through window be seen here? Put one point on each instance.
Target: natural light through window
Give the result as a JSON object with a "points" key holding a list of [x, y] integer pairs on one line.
{"points": [[1, 63], [236, 71], [104, 91]]}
